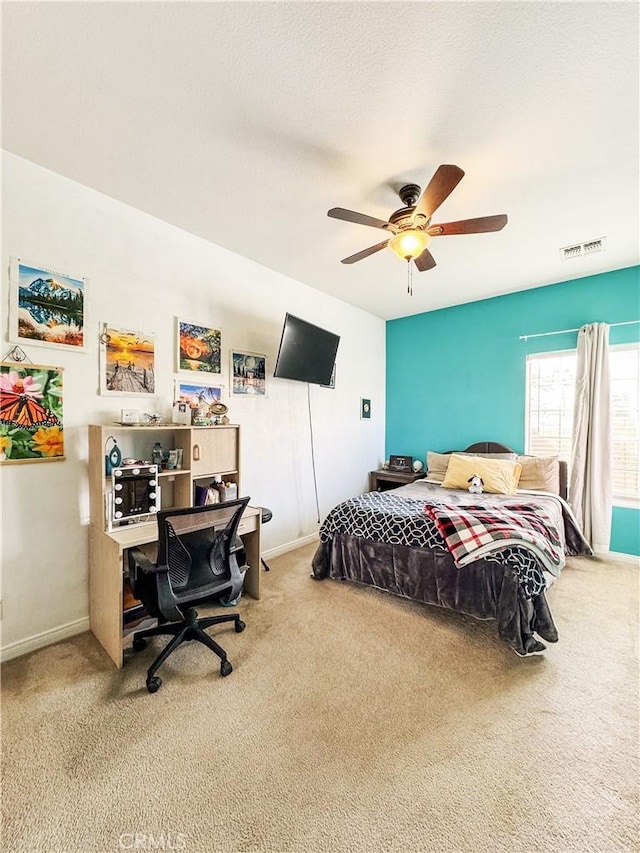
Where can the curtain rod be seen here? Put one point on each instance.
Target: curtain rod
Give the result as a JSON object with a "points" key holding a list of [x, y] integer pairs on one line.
{"points": [[566, 331]]}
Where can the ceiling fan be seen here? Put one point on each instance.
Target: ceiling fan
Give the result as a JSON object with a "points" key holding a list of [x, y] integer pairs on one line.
{"points": [[411, 226]]}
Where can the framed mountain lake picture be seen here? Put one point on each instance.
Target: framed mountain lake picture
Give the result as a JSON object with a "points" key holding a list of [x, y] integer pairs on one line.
{"points": [[31, 424], [46, 308]]}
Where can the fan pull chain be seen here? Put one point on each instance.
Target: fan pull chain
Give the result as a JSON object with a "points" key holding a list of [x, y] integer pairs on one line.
{"points": [[409, 278]]}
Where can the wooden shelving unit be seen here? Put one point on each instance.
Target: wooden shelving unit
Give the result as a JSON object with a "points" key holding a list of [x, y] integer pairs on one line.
{"points": [[207, 452]]}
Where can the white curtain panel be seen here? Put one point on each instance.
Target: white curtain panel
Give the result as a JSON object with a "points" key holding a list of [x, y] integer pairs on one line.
{"points": [[590, 482]]}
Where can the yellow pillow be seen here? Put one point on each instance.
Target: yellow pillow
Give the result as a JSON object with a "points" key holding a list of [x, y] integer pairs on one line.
{"points": [[499, 475]]}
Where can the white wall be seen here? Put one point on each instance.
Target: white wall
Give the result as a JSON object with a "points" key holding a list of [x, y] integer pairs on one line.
{"points": [[143, 273]]}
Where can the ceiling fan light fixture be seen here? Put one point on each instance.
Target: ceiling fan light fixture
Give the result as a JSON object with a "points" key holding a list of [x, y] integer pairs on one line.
{"points": [[409, 244]]}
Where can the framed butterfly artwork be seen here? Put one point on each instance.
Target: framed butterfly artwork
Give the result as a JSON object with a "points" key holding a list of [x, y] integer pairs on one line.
{"points": [[31, 423]]}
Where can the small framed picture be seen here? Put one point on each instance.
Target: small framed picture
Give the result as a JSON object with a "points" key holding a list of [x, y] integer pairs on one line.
{"points": [[365, 408], [196, 394], [32, 422], [127, 362], [46, 307], [198, 348], [248, 374]]}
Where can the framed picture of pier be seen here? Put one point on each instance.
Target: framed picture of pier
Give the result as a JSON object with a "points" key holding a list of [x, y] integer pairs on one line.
{"points": [[31, 427], [248, 374], [199, 348], [127, 362], [46, 308]]}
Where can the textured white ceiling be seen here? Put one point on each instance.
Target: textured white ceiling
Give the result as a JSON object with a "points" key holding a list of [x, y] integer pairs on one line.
{"points": [[245, 122]]}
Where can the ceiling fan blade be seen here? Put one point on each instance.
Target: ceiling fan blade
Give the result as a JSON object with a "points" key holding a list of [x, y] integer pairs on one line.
{"points": [[425, 261], [470, 226], [364, 253], [444, 181], [358, 218]]}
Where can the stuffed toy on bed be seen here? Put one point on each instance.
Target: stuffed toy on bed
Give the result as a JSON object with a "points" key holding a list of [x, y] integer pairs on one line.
{"points": [[476, 483]]}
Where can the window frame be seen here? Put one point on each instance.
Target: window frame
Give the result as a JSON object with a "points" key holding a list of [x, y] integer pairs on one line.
{"points": [[617, 501]]}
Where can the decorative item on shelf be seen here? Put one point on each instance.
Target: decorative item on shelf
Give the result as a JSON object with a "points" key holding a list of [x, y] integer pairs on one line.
{"points": [[400, 463], [130, 416], [218, 413], [181, 413], [228, 491], [385, 465], [201, 416], [151, 419], [112, 457], [417, 466]]}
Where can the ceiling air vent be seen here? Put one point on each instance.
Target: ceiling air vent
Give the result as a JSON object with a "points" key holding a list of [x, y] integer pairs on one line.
{"points": [[579, 250]]}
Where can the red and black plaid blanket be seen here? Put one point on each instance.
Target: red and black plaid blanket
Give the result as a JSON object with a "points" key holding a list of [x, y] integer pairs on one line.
{"points": [[472, 531]]}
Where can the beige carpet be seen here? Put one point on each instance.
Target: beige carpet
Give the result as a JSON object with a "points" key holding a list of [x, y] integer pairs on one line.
{"points": [[353, 721]]}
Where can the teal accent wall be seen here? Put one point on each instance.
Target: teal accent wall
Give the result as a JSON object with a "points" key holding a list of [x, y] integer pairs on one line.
{"points": [[458, 375]]}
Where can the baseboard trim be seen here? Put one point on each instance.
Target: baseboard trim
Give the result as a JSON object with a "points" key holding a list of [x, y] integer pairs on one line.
{"points": [[290, 546], [46, 638], [619, 557]]}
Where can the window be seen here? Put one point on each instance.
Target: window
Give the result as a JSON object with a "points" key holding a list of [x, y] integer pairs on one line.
{"points": [[624, 364], [549, 420], [551, 378]]}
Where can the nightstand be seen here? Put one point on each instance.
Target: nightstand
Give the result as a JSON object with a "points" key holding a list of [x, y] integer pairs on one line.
{"points": [[382, 481]]}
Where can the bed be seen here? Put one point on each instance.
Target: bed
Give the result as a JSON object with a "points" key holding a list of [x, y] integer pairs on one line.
{"points": [[421, 541]]}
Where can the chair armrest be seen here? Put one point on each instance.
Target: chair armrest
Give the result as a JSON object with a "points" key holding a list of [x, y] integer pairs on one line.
{"points": [[139, 560], [149, 580]]}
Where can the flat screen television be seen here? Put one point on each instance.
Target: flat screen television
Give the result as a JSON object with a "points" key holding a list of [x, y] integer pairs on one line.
{"points": [[307, 353]]}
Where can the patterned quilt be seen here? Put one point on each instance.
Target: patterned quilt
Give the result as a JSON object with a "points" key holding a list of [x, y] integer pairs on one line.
{"points": [[398, 517]]}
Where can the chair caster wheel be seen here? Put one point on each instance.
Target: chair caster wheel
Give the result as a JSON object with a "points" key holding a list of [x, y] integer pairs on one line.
{"points": [[139, 643], [153, 684], [225, 668], [240, 626]]}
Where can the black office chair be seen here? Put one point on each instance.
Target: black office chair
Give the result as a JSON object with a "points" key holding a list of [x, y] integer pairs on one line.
{"points": [[197, 561]]}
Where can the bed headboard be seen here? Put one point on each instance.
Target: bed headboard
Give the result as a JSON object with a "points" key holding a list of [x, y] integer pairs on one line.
{"points": [[496, 447]]}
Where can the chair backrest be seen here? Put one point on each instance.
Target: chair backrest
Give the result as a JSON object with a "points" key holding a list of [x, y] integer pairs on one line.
{"points": [[198, 537]]}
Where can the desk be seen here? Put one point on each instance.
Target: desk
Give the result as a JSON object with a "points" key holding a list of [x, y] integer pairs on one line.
{"points": [[108, 562]]}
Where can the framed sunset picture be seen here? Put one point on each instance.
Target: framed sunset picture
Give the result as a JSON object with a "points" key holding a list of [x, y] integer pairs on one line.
{"points": [[127, 362], [46, 307], [198, 348]]}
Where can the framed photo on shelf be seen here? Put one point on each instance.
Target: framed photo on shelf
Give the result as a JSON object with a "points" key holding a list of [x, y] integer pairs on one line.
{"points": [[127, 362], [248, 374], [32, 424], [46, 308], [198, 348]]}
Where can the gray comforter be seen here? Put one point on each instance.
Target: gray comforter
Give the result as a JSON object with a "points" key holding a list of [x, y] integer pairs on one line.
{"points": [[386, 540]]}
